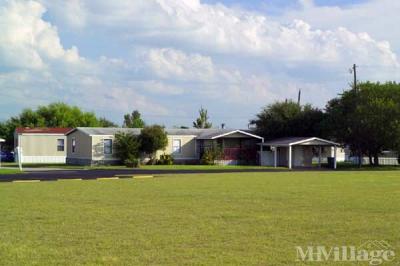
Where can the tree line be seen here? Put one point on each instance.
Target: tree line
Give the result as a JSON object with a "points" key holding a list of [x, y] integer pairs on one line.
{"points": [[367, 119]]}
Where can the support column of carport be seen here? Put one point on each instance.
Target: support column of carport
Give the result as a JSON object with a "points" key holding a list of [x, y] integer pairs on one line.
{"points": [[334, 157], [1, 140], [319, 156], [290, 157]]}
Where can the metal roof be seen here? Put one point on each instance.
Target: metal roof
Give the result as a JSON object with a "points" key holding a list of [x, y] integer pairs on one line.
{"points": [[105, 130], [225, 132], [2, 140], [199, 133], [298, 141], [42, 130]]}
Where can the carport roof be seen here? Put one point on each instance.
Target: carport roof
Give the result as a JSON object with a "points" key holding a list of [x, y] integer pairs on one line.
{"points": [[289, 141]]}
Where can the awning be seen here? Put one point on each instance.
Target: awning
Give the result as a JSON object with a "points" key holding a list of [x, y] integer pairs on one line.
{"points": [[304, 141]]}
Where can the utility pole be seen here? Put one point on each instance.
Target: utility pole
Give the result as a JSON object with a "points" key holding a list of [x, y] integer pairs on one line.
{"points": [[299, 97], [354, 71], [355, 77]]}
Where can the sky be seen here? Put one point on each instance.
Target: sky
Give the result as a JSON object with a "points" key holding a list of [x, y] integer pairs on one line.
{"points": [[168, 58]]}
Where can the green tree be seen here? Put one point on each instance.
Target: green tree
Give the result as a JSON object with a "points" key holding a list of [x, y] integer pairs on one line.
{"points": [[152, 139], [127, 146], [134, 120], [106, 123], [289, 119], [202, 121], [367, 119], [52, 115]]}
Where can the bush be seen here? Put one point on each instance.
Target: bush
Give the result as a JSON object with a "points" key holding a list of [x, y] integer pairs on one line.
{"points": [[132, 162], [166, 159], [211, 155], [126, 146], [152, 139]]}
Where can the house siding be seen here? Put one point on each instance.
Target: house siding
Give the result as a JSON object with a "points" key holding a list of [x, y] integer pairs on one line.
{"points": [[41, 148], [83, 146], [188, 148]]}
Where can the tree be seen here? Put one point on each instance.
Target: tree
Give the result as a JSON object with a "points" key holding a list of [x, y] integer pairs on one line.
{"points": [[152, 139], [52, 115], [202, 121], [367, 119], [106, 123], [127, 146], [289, 119], [133, 120]]}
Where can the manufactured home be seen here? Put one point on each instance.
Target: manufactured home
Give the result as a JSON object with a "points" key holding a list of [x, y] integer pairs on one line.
{"points": [[95, 146], [41, 145]]}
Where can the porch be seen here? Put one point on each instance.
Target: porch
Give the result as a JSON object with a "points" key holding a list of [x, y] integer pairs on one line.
{"points": [[237, 147]]}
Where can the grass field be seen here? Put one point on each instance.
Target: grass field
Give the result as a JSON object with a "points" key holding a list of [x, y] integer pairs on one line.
{"points": [[9, 171], [248, 219], [147, 167]]}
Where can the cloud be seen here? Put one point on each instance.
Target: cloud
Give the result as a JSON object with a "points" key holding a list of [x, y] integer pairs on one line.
{"points": [[37, 69], [170, 56], [373, 16], [219, 29], [169, 63], [27, 41]]}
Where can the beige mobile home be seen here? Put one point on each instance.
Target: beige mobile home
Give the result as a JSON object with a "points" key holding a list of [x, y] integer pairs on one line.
{"points": [[93, 146], [41, 145]]}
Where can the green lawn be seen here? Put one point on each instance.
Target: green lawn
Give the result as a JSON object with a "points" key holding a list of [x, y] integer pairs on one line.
{"points": [[148, 167], [192, 167], [9, 171], [214, 219]]}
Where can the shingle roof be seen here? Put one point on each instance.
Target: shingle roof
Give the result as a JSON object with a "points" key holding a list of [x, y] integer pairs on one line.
{"points": [[200, 133], [54, 130]]}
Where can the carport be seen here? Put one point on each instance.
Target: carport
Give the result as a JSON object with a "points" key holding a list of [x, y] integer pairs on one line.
{"points": [[295, 151]]}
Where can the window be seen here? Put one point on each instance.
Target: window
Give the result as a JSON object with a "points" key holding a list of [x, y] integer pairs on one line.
{"points": [[176, 146], [107, 146], [73, 145], [60, 145]]}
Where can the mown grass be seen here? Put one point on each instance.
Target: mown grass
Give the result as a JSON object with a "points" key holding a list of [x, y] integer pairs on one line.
{"points": [[9, 171], [148, 167], [204, 219]]}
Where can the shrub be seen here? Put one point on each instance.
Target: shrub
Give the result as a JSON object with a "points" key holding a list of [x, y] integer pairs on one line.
{"points": [[165, 159], [132, 162], [210, 155], [152, 139], [126, 146]]}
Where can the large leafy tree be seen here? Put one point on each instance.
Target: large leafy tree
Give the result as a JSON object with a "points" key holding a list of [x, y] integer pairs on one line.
{"points": [[367, 119], [202, 120], [134, 120], [152, 139], [52, 115], [289, 119]]}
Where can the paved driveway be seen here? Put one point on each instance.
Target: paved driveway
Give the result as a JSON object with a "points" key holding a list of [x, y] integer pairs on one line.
{"points": [[93, 174]]}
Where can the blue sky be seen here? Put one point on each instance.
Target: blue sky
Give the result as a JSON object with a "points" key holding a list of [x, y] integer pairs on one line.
{"points": [[168, 58]]}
